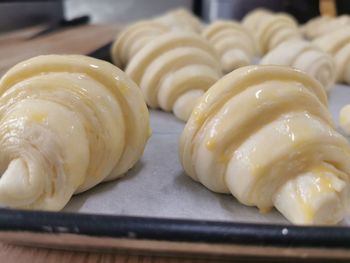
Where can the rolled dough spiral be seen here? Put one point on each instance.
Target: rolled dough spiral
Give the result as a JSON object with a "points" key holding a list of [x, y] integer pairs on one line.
{"points": [[133, 38], [67, 123], [234, 44], [305, 56], [337, 44], [264, 134], [271, 29], [322, 25], [174, 70], [181, 19]]}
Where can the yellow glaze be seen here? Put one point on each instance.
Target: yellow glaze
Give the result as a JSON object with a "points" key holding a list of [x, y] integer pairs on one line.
{"points": [[38, 116]]}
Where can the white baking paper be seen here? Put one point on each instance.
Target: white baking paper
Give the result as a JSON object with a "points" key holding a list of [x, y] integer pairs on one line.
{"points": [[158, 187]]}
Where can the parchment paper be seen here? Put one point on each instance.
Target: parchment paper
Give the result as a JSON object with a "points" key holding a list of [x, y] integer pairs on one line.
{"points": [[158, 187]]}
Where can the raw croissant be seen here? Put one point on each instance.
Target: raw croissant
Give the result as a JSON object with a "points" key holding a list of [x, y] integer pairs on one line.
{"points": [[174, 70], [305, 56], [181, 19], [323, 25], [264, 134], [234, 44], [67, 123], [252, 19], [344, 119], [271, 29], [133, 38], [338, 45]]}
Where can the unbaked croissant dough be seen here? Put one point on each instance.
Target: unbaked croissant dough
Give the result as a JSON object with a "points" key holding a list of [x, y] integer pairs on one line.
{"points": [[344, 119], [322, 25], [252, 19], [234, 44], [133, 38], [181, 19], [338, 45], [305, 56], [264, 134], [67, 123], [174, 70], [271, 29]]}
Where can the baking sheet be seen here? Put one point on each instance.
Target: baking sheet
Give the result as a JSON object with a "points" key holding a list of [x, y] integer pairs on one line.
{"points": [[158, 187]]}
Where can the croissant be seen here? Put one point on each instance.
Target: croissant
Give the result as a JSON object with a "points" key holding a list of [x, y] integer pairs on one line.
{"points": [[337, 44], [133, 38], [271, 29], [305, 56], [264, 134], [181, 19], [344, 119], [67, 123], [322, 25], [234, 44], [252, 19], [174, 70]]}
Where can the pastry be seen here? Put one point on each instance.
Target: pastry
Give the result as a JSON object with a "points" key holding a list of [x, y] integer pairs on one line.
{"points": [[67, 123], [322, 25], [305, 56], [174, 70], [181, 19], [271, 29], [234, 44], [252, 19], [337, 44], [133, 38], [264, 134], [344, 119]]}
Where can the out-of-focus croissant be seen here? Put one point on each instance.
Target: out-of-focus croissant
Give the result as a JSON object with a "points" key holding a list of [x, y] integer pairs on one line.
{"points": [[67, 123], [174, 70], [271, 29], [252, 19], [305, 56], [338, 45], [234, 44], [344, 119], [181, 19], [264, 134], [133, 38], [322, 25]]}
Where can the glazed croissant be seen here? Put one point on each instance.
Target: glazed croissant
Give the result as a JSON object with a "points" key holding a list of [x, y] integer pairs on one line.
{"points": [[264, 134], [305, 56], [181, 19], [338, 45], [234, 44], [133, 38], [174, 70], [270, 29], [322, 25], [67, 123]]}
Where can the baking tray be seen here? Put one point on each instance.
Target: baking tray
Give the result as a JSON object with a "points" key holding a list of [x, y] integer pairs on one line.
{"points": [[157, 208]]}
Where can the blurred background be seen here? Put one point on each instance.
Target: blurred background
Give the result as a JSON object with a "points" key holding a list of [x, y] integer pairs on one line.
{"points": [[16, 14], [30, 28]]}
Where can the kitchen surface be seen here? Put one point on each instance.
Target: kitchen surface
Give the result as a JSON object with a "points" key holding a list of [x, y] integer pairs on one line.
{"points": [[174, 131]]}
